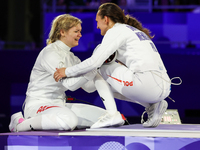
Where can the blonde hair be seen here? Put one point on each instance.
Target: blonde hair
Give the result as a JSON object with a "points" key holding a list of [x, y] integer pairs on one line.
{"points": [[64, 22]]}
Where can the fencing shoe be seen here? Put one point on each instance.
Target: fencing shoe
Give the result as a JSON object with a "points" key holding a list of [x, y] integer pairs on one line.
{"points": [[155, 113], [15, 120], [108, 120]]}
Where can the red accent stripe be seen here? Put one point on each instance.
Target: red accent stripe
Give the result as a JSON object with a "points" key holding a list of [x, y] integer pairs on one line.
{"points": [[115, 78], [51, 107], [43, 108]]}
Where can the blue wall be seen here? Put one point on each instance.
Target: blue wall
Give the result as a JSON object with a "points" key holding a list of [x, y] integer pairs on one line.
{"points": [[174, 27]]}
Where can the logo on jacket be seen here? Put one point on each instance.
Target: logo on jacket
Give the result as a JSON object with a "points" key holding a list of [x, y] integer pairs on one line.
{"points": [[125, 83], [43, 108]]}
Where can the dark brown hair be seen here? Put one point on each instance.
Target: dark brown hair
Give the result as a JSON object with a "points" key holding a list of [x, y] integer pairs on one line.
{"points": [[116, 14]]}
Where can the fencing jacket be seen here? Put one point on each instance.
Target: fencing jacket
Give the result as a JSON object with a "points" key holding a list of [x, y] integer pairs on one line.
{"points": [[42, 84], [135, 50]]}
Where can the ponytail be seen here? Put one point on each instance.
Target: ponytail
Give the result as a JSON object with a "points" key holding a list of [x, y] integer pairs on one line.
{"points": [[137, 24]]}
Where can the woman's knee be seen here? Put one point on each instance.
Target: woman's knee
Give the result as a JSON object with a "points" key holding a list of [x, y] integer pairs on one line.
{"points": [[59, 121], [67, 121]]}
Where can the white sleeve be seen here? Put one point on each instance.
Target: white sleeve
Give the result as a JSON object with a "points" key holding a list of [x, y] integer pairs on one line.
{"points": [[74, 83], [90, 75], [89, 86], [110, 43], [50, 60]]}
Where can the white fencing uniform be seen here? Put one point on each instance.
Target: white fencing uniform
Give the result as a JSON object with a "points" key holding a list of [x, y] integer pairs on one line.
{"points": [[143, 77], [45, 107]]}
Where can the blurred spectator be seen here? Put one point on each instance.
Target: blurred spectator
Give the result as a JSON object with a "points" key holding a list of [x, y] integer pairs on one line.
{"points": [[93, 3], [61, 3]]}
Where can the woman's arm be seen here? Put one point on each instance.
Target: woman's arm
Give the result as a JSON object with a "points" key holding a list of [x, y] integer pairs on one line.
{"points": [[75, 83], [110, 43]]}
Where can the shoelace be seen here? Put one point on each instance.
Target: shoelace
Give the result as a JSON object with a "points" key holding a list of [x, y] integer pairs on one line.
{"points": [[149, 112], [142, 117]]}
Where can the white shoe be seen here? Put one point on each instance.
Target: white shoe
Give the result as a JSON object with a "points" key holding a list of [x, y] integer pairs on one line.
{"points": [[109, 120], [155, 113], [16, 119]]}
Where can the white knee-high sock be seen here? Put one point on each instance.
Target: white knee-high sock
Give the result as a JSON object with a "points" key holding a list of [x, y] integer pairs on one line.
{"points": [[105, 93]]}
